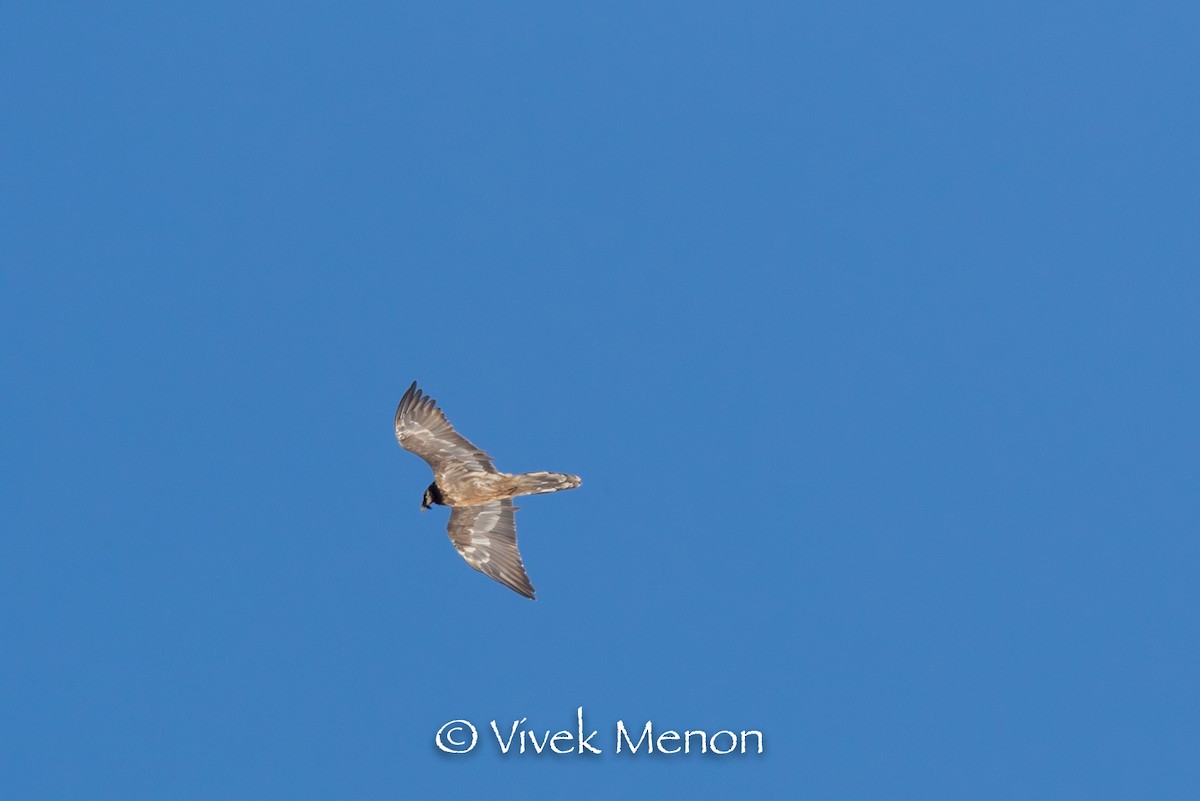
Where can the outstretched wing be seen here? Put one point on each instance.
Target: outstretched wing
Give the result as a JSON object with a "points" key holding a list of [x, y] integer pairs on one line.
{"points": [[486, 536], [422, 428]]}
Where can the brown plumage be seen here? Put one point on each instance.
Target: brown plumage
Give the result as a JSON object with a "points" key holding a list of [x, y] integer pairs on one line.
{"points": [[482, 525]]}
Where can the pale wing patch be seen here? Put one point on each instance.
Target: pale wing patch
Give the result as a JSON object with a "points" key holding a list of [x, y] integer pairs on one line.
{"points": [[486, 537]]}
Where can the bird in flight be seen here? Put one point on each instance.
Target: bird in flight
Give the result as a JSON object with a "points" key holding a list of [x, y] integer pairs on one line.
{"points": [[482, 525]]}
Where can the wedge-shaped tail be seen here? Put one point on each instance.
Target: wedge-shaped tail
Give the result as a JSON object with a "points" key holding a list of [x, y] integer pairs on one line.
{"points": [[537, 483]]}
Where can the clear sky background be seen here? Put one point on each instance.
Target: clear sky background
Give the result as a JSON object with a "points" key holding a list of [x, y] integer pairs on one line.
{"points": [[871, 328]]}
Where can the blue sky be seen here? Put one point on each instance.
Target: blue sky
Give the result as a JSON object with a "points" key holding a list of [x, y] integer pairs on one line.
{"points": [[871, 329]]}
